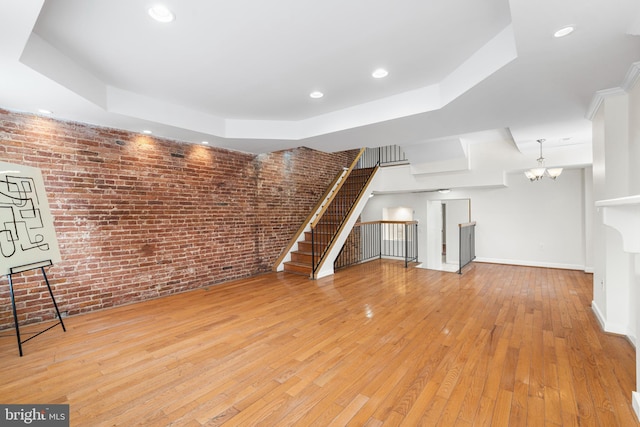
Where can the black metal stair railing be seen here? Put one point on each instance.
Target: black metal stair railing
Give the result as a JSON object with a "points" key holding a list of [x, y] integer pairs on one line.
{"points": [[380, 239], [326, 228], [382, 156], [467, 244]]}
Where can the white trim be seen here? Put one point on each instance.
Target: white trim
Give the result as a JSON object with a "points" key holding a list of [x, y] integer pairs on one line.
{"points": [[620, 201], [635, 401], [598, 99], [613, 328], [630, 80], [598, 314], [608, 327], [632, 77], [301, 236], [531, 263], [622, 214], [632, 339], [619, 329], [326, 267]]}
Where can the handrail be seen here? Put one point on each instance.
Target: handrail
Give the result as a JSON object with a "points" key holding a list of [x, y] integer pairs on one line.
{"points": [[333, 195], [467, 224], [314, 212], [308, 219], [332, 242], [385, 222]]}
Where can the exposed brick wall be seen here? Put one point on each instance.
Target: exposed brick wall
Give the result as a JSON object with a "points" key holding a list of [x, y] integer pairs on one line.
{"points": [[138, 217], [279, 202]]}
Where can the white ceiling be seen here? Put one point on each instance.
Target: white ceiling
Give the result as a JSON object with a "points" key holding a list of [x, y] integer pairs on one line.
{"points": [[238, 73]]}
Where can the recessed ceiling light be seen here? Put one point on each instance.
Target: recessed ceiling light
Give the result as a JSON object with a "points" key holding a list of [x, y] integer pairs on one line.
{"points": [[380, 73], [161, 13], [44, 111], [564, 31], [205, 142], [147, 131], [316, 94]]}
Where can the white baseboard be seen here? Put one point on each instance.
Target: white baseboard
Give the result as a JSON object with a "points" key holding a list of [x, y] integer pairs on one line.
{"points": [[612, 328], [531, 263], [598, 314]]}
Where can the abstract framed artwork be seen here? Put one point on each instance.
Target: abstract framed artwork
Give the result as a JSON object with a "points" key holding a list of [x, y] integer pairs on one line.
{"points": [[27, 234]]}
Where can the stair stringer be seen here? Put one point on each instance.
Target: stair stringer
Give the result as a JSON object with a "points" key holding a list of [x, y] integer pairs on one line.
{"points": [[326, 267], [307, 228]]}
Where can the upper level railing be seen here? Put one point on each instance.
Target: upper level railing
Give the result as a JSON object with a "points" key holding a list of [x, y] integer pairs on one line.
{"points": [[383, 156], [467, 244], [380, 239]]}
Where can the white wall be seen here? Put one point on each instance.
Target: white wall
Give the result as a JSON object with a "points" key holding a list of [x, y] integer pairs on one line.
{"points": [[526, 223], [589, 213], [634, 139], [616, 174], [613, 274], [532, 223]]}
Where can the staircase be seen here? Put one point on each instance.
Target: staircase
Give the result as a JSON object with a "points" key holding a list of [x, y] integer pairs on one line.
{"points": [[312, 249], [301, 259]]}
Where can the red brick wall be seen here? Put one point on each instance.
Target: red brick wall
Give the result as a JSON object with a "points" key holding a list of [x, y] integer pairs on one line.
{"points": [[139, 217]]}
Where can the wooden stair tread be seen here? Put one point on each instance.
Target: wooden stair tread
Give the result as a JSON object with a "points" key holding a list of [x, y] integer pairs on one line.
{"points": [[296, 263], [302, 252], [333, 216], [297, 268]]}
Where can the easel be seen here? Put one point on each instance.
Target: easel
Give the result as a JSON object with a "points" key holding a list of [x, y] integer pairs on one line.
{"points": [[14, 270]]}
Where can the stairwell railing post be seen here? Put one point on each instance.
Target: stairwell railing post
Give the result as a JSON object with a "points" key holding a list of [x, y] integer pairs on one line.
{"points": [[381, 237], [460, 260], [406, 245], [415, 240], [313, 253]]}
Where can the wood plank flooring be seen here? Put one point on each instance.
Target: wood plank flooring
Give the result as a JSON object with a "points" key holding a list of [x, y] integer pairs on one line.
{"points": [[373, 345]]}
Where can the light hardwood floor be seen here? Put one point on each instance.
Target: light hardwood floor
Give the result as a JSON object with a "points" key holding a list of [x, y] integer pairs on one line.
{"points": [[373, 345]]}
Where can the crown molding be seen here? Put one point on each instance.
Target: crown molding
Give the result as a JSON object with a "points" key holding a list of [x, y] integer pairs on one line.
{"points": [[598, 99], [632, 77], [630, 80]]}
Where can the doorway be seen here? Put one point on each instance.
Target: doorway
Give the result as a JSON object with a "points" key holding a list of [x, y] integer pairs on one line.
{"points": [[443, 219]]}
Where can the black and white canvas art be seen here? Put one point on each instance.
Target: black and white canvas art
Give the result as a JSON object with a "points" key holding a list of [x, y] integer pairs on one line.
{"points": [[27, 234]]}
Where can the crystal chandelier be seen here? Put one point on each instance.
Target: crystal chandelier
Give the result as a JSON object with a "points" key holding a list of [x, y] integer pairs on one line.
{"points": [[535, 174]]}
